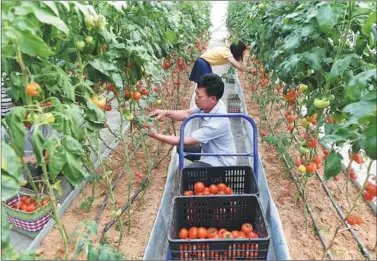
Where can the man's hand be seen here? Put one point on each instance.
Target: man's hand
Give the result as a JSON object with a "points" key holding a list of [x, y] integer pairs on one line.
{"points": [[152, 132], [159, 114]]}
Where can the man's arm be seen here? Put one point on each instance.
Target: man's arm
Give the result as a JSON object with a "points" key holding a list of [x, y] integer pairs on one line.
{"points": [[178, 115], [172, 140]]}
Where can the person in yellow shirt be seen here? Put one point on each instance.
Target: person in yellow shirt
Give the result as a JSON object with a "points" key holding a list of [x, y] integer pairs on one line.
{"points": [[219, 56]]}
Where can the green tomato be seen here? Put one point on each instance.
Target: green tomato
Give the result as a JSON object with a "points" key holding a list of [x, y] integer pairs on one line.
{"points": [[33, 119], [303, 87], [99, 21], [304, 122], [321, 104], [304, 150], [89, 22], [301, 169], [48, 118], [129, 117], [158, 101], [116, 213], [80, 45], [89, 39]]}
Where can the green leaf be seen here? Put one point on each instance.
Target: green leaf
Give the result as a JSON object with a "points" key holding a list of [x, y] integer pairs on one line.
{"points": [[5, 229], [52, 6], [57, 160], [314, 58], [102, 66], [45, 16], [333, 165], [367, 27], [171, 37], [291, 42], [339, 67], [38, 143], [73, 169], [72, 146], [33, 45], [15, 121], [92, 253], [357, 85], [11, 173], [65, 4], [117, 79], [361, 108], [327, 17]]}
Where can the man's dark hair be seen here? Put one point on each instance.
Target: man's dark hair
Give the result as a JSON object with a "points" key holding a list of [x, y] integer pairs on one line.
{"points": [[237, 50], [213, 83]]}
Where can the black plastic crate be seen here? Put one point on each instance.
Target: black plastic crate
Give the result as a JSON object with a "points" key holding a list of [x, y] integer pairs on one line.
{"points": [[228, 212], [240, 178]]}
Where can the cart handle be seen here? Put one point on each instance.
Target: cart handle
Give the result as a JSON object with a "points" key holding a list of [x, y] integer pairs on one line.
{"points": [[255, 154]]}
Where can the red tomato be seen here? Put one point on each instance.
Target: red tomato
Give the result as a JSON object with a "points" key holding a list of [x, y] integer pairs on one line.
{"points": [[188, 193], [108, 107], [193, 233], [235, 233], [222, 231], [251, 235], [228, 191], [127, 94], [183, 233], [247, 228], [144, 92], [45, 202], [136, 96], [227, 234], [368, 196], [353, 175], [291, 118], [221, 187], [212, 231], [206, 193], [202, 233], [17, 205], [298, 163], [351, 220], [371, 188], [358, 158], [311, 167], [199, 187], [213, 189], [317, 160], [359, 220], [312, 142], [24, 198]]}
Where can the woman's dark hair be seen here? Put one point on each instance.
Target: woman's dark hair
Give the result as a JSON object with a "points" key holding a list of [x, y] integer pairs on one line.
{"points": [[213, 84], [237, 50]]}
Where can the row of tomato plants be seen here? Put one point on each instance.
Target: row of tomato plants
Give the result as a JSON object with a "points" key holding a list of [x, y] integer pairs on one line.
{"points": [[315, 62], [62, 61]]}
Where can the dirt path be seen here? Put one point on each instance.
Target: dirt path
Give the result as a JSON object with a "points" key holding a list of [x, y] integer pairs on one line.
{"points": [[303, 243]]}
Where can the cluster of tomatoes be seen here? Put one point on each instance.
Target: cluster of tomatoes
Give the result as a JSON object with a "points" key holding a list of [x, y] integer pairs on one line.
{"points": [[201, 190], [354, 220], [246, 231], [28, 204]]}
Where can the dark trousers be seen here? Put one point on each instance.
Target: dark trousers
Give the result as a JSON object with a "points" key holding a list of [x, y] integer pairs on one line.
{"points": [[194, 149]]}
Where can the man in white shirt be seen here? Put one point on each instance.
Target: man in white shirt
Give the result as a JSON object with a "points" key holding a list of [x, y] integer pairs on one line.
{"points": [[214, 134]]}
